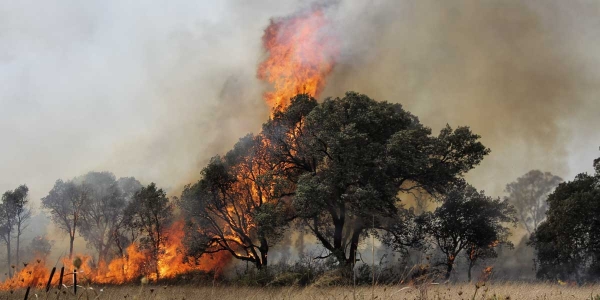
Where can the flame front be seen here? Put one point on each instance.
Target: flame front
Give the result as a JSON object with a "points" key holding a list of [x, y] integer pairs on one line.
{"points": [[133, 266], [301, 53]]}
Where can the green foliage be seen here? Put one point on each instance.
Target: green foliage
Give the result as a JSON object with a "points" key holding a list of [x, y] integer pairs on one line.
{"points": [[470, 221], [150, 213], [351, 156], [239, 205], [338, 166], [14, 217], [567, 242]]}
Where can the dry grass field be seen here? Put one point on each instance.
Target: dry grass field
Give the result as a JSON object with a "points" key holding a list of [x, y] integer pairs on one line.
{"points": [[452, 291]]}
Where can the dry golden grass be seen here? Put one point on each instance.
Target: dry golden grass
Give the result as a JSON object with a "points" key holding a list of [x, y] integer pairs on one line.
{"points": [[441, 291]]}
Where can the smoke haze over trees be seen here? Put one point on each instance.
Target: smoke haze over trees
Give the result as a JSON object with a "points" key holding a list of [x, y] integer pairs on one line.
{"points": [[567, 241], [156, 91], [197, 61], [528, 194]]}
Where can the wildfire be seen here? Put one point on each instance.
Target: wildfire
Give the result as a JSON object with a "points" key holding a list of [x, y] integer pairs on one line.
{"points": [[301, 53], [134, 265]]}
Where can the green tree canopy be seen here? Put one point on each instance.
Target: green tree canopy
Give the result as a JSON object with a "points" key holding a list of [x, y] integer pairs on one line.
{"points": [[350, 157], [239, 205], [151, 213], [14, 218], [568, 241], [468, 221]]}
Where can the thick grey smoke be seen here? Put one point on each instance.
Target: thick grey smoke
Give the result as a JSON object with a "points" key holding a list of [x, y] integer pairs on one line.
{"points": [[154, 90], [523, 74]]}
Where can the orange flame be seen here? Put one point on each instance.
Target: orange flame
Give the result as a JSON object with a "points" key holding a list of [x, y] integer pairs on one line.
{"points": [[133, 266], [301, 53]]}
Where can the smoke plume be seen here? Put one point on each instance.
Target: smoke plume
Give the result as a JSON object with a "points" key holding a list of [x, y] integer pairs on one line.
{"points": [[154, 91]]}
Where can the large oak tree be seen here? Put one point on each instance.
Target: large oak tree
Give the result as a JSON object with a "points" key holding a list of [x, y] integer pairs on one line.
{"points": [[350, 158]]}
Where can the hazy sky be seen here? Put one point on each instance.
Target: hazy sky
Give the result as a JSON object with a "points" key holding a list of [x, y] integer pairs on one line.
{"points": [[153, 90]]}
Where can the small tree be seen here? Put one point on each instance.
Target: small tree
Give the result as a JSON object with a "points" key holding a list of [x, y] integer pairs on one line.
{"points": [[528, 195], [151, 213], [66, 203], [103, 212], [124, 233], [468, 220], [40, 247], [239, 205], [15, 214]]}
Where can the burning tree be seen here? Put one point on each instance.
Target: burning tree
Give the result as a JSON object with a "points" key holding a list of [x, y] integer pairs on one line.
{"points": [[125, 234], [240, 204], [471, 221], [14, 216], [343, 162], [151, 214], [102, 213]]}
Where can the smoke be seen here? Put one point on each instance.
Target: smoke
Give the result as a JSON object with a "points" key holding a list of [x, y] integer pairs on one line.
{"points": [[153, 91], [521, 74]]}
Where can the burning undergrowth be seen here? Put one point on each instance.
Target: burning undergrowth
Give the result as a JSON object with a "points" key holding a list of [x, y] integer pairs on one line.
{"points": [[300, 53], [173, 263]]}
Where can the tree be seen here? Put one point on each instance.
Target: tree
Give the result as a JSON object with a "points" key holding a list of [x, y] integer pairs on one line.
{"points": [[528, 195], [125, 233], [40, 247], [103, 212], [239, 205], [567, 243], [151, 213], [66, 203], [468, 220], [15, 214], [350, 158]]}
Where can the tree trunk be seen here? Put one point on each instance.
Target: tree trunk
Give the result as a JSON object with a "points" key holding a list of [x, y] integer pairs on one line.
{"points": [[157, 250], [353, 247], [18, 247], [264, 251], [71, 240], [449, 266], [337, 234], [471, 264], [8, 257], [258, 264]]}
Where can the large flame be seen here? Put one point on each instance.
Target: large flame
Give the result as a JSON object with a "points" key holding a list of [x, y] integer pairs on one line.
{"points": [[301, 53], [135, 265]]}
